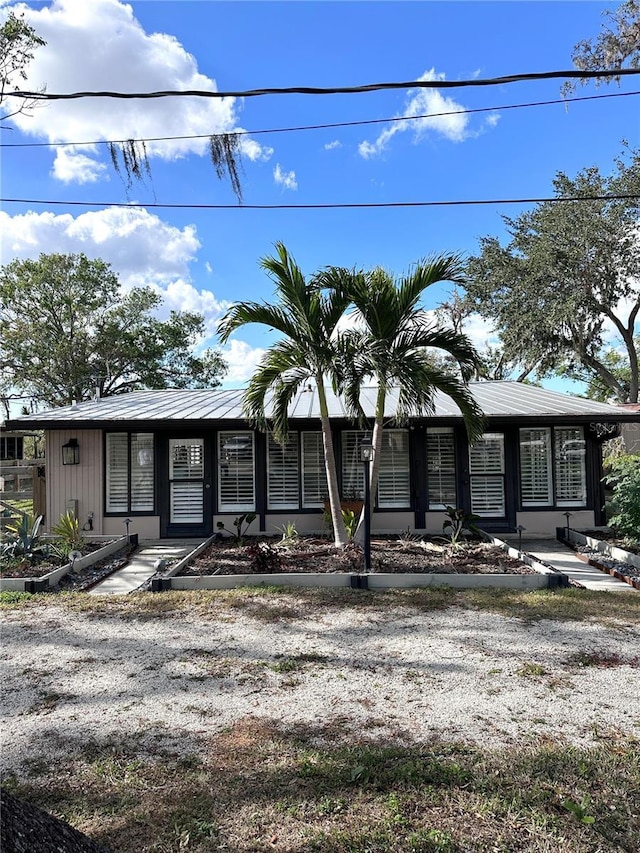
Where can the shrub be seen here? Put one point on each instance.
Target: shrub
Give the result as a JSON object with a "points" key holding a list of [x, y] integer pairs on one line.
{"points": [[241, 524], [68, 532], [23, 540], [624, 505]]}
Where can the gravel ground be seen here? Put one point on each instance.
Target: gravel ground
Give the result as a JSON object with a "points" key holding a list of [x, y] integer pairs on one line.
{"points": [[395, 673]]}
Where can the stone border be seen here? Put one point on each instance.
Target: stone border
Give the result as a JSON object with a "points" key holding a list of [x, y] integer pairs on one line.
{"points": [[45, 582], [545, 577]]}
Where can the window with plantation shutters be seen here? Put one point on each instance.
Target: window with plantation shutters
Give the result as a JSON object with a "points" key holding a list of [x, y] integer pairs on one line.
{"points": [[394, 482], [536, 480], [130, 472], [283, 490], [236, 480], [441, 467], [314, 476], [570, 466], [486, 470], [142, 472], [352, 467], [117, 472]]}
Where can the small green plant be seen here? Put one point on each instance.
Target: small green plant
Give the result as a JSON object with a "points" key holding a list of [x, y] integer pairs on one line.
{"points": [[68, 532], [580, 810], [240, 531], [624, 505], [289, 533], [23, 540], [350, 522], [264, 557], [459, 521]]}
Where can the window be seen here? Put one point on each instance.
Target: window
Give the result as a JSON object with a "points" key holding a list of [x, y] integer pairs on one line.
{"points": [[535, 467], [314, 476], [283, 491], [394, 481], [569, 453], [560, 479], [486, 469], [441, 467], [352, 467], [11, 447], [130, 472], [236, 481]]}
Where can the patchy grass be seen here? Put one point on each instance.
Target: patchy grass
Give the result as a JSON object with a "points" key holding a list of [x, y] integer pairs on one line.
{"points": [[260, 787], [272, 604]]}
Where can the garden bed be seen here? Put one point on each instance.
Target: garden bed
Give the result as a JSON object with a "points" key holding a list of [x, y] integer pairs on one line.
{"points": [[41, 576], [606, 554], [395, 562]]}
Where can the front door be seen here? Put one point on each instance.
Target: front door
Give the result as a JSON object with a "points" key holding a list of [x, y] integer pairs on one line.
{"points": [[189, 510]]}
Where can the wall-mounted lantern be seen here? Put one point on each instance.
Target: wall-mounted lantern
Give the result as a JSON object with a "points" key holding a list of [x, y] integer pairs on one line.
{"points": [[71, 452]]}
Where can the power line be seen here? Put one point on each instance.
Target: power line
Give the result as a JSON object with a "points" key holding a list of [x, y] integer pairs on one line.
{"points": [[323, 126], [337, 90], [328, 206]]}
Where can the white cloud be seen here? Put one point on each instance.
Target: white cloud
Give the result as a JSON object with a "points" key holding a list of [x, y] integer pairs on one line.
{"points": [[99, 45], [331, 145], [428, 102], [141, 248], [242, 359], [285, 179]]}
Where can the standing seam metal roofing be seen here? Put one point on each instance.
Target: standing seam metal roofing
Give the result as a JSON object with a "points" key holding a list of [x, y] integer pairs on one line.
{"points": [[496, 399]]}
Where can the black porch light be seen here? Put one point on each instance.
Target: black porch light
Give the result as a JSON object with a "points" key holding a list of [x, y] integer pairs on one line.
{"points": [[366, 456], [71, 452]]}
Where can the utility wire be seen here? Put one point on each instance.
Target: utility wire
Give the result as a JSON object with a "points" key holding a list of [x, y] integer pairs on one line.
{"points": [[323, 126], [338, 90], [329, 206]]}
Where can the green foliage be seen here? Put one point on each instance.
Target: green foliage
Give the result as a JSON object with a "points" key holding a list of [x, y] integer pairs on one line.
{"points": [[457, 522], [23, 539], [306, 318], [624, 505], [289, 533], [569, 273], [580, 810], [18, 41], [240, 531], [350, 522], [67, 329], [68, 532]]}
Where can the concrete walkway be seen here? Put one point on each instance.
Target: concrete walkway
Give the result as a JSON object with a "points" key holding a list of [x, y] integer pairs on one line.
{"points": [[142, 565], [563, 559]]}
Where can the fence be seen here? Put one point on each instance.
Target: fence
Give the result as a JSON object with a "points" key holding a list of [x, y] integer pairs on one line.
{"points": [[22, 479]]}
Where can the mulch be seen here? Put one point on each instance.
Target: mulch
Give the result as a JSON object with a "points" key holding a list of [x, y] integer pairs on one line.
{"points": [[387, 555]]}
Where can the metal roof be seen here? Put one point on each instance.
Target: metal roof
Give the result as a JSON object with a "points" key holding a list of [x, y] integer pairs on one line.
{"points": [[504, 400]]}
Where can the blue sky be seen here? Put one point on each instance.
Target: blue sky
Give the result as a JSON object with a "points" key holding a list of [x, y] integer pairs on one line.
{"points": [[205, 259]]}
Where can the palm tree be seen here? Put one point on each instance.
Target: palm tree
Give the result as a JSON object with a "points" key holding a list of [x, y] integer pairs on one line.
{"points": [[396, 343], [307, 318]]}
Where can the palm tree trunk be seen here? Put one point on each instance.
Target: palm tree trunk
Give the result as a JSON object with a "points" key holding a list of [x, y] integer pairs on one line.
{"points": [[339, 530], [374, 468]]}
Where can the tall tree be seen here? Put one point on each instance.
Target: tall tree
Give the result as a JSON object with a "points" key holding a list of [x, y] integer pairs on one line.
{"points": [[307, 320], [567, 284], [397, 344], [18, 41], [616, 46], [66, 329]]}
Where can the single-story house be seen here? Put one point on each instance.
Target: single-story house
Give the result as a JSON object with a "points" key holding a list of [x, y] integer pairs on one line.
{"points": [[176, 462]]}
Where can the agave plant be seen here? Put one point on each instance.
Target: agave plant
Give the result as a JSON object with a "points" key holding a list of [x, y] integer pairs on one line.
{"points": [[23, 539]]}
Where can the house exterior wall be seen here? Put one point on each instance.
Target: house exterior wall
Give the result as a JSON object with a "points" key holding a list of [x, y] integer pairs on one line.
{"points": [[85, 483], [81, 483]]}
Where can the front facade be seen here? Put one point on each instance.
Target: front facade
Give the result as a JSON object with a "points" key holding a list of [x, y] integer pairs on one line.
{"points": [[174, 463]]}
